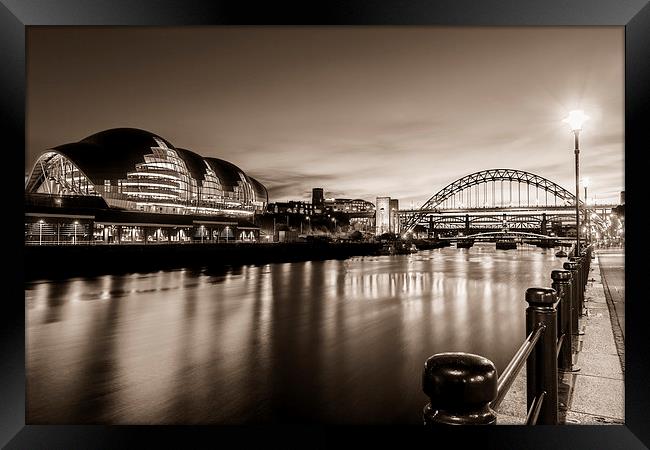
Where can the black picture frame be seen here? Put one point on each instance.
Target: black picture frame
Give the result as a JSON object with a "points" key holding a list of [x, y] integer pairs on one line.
{"points": [[16, 15]]}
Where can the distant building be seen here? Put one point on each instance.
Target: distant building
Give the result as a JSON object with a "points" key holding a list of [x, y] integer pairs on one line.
{"points": [[387, 216], [394, 216], [382, 215], [292, 207], [360, 213], [317, 197], [287, 236], [347, 205]]}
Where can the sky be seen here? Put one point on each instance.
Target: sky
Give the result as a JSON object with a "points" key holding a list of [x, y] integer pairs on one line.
{"points": [[359, 111]]}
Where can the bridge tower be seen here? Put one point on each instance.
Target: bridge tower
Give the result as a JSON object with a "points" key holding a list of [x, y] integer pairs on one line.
{"points": [[542, 228]]}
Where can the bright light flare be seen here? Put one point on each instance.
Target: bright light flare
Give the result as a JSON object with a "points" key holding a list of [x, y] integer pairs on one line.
{"points": [[576, 119]]}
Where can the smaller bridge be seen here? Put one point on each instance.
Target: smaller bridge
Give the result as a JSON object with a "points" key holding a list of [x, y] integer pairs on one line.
{"points": [[517, 236]]}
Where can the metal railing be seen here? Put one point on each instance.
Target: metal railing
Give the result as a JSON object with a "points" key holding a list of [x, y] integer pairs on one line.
{"points": [[516, 363], [465, 389], [161, 242]]}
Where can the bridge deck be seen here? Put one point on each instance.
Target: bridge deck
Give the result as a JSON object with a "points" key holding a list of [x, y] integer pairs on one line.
{"points": [[525, 209]]}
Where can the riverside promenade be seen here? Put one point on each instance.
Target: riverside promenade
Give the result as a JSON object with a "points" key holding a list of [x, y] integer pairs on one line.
{"points": [[594, 395]]}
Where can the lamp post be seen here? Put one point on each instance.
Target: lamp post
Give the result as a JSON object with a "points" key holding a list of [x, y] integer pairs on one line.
{"points": [[74, 236], [40, 232], [575, 119], [585, 183], [227, 230]]}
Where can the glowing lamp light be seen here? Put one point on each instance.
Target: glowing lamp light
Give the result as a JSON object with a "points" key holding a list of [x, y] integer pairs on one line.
{"points": [[585, 182], [576, 119]]}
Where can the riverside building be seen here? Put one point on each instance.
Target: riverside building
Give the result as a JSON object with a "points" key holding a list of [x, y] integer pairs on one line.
{"points": [[127, 185]]}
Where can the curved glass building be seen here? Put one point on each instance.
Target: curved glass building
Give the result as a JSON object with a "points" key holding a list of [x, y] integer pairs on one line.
{"points": [[113, 174], [134, 169]]}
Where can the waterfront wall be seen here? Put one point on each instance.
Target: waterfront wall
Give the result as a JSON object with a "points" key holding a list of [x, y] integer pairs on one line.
{"points": [[78, 260]]}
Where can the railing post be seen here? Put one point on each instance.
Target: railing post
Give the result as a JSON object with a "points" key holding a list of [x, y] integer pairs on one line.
{"points": [[580, 282], [588, 262], [541, 367], [460, 387], [578, 261], [572, 267], [562, 285], [583, 270]]}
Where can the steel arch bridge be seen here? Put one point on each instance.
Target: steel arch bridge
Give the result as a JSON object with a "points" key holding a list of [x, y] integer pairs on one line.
{"points": [[477, 194]]}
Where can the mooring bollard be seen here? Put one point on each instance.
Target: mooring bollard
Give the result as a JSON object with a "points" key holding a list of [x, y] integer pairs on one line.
{"points": [[460, 387], [562, 285], [541, 367], [572, 267]]}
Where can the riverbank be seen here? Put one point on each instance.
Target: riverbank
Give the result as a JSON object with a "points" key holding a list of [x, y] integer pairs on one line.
{"points": [[78, 260]]}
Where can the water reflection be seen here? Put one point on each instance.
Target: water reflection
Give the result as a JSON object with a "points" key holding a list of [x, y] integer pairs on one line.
{"points": [[322, 341]]}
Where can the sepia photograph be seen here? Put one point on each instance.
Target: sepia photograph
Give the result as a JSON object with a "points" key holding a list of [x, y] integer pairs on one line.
{"points": [[376, 225]]}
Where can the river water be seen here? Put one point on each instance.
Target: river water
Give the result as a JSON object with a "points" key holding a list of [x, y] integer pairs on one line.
{"points": [[337, 341]]}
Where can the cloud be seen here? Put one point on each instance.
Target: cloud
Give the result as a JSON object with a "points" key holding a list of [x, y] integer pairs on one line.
{"points": [[360, 112]]}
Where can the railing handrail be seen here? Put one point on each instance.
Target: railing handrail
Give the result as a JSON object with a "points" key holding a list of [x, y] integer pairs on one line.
{"points": [[535, 408], [516, 363], [560, 341]]}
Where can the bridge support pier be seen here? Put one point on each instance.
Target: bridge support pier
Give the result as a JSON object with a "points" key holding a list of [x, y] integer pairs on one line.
{"points": [[506, 245]]}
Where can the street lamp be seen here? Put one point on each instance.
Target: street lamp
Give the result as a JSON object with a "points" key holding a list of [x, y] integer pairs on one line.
{"points": [[202, 232], [227, 229], [74, 237], [575, 119], [585, 183], [40, 232]]}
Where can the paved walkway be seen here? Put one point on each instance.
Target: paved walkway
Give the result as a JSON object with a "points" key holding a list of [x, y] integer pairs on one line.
{"points": [[595, 394], [612, 262]]}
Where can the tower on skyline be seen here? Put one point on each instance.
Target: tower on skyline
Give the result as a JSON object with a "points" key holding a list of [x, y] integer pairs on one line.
{"points": [[317, 197]]}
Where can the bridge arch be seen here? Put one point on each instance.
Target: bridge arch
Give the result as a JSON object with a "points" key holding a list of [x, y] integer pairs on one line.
{"points": [[463, 188], [494, 175]]}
